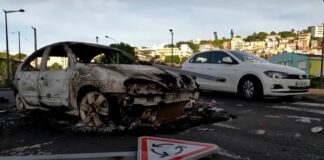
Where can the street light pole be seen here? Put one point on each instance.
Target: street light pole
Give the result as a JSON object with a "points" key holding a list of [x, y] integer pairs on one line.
{"points": [[97, 39], [112, 39], [35, 42], [171, 47], [7, 43], [321, 77], [19, 53], [19, 56], [35, 37]]}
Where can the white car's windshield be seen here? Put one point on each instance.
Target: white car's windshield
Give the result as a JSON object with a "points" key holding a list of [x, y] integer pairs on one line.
{"points": [[246, 57]]}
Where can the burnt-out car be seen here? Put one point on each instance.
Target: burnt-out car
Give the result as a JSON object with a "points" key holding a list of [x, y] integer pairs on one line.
{"points": [[101, 84]]}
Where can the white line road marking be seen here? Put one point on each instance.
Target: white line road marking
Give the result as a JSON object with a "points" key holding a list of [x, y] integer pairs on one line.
{"points": [[309, 104], [297, 109], [304, 119], [225, 126], [225, 153], [298, 118]]}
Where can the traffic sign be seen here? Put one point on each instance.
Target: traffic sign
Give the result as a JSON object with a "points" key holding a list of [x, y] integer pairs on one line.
{"points": [[152, 148]]}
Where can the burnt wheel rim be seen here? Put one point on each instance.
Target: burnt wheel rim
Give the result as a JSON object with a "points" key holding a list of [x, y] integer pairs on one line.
{"points": [[94, 109], [248, 89], [19, 103]]}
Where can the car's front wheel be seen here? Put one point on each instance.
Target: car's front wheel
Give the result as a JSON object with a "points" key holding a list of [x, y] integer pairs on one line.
{"points": [[94, 109], [251, 88]]}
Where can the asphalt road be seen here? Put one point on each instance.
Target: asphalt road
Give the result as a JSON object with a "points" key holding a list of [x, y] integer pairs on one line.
{"points": [[272, 128]]}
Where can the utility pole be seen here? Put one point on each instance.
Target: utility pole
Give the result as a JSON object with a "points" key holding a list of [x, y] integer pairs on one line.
{"points": [[215, 36], [7, 41], [171, 47], [35, 43], [19, 56], [321, 74]]}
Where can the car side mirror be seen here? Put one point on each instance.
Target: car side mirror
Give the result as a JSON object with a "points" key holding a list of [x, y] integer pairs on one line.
{"points": [[227, 60]]}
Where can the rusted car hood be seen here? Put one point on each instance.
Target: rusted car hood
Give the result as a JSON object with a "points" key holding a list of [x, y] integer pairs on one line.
{"points": [[137, 71], [143, 72]]}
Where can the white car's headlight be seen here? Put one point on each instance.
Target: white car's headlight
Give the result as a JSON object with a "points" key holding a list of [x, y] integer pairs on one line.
{"points": [[276, 74]]}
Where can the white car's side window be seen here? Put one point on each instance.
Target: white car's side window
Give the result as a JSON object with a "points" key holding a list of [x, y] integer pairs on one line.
{"points": [[219, 56], [202, 58]]}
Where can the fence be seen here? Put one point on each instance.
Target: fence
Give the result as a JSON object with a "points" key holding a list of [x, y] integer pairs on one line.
{"points": [[13, 64]]}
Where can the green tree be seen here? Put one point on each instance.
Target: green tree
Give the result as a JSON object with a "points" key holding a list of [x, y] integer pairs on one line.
{"points": [[124, 47], [218, 43], [273, 33], [55, 66], [205, 42], [285, 34], [261, 36], [16, 56], [167, 59], [170, 45]]}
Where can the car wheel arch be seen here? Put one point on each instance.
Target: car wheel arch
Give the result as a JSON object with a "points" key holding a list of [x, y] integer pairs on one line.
{"points": [[247, 76], [83, 91]]}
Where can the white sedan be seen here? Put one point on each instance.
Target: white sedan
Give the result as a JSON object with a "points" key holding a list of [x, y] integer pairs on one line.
{"points": [[246, 74]]}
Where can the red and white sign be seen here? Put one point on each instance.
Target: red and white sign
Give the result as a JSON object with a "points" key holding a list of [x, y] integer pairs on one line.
{"points": [[152, 148]]}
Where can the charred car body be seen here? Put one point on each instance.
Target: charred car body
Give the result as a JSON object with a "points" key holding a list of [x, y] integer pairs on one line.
{"points": [[101, 84]]}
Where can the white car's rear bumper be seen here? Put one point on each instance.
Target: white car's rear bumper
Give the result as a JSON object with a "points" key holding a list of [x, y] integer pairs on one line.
{"points": [[285, 87]]}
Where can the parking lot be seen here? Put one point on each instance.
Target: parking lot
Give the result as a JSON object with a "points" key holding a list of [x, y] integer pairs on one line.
{"points": [[272, 128]]}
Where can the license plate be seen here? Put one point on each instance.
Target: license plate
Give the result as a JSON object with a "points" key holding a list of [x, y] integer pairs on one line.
{"points": [[301, 84]]}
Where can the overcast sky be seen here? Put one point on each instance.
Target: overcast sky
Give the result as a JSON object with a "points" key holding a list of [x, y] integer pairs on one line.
{"points": [[147, 22]]}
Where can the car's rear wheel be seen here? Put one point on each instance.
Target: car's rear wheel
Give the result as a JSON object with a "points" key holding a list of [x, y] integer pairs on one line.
{"points": [[94, 109], [19, 103], [251, 88]]}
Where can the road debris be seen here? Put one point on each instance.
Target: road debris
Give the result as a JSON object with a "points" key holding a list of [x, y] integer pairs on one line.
{"points": [[297, 135], [259, 132], [317, 129]]}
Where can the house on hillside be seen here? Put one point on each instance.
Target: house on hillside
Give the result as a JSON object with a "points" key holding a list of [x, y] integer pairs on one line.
{"points": [[311, 64]]}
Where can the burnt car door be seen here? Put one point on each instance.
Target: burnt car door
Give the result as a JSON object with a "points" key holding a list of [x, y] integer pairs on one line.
{"points": [[27, 76], [54, 78]]}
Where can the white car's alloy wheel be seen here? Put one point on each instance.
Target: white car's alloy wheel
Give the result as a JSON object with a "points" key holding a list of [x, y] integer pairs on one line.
{"points": [[248, 89], [94, 109]]}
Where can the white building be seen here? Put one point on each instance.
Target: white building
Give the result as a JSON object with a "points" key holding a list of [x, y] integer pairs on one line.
{"points": [[237, 43], [185, 50], [272, 41], [206, 47], [317, 31]]}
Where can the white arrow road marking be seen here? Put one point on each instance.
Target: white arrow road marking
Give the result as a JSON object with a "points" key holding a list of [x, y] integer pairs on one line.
{"points": [[297, 109]]}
